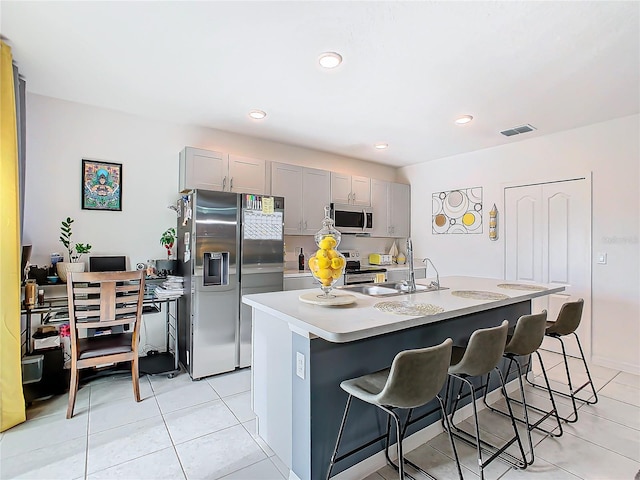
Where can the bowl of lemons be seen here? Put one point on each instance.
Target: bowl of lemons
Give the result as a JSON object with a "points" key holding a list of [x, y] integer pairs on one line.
{"points": [[327, 264]]}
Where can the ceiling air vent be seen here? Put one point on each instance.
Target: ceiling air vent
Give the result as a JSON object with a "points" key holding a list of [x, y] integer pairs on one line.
{"points": [[517, 130]]}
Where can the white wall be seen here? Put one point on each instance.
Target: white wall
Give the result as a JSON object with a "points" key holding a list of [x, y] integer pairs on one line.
{"points": [[60, 134], [611, 151]]}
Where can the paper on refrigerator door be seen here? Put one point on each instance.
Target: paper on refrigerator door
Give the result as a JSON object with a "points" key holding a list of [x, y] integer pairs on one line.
{"points": [[262, 226]]}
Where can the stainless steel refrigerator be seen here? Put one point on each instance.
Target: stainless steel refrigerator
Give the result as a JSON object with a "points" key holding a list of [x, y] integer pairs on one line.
{"points": [[228, 245]]}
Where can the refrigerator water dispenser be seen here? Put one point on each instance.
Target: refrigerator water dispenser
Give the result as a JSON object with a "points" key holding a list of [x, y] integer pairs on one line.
{"points": [[216, 268]]}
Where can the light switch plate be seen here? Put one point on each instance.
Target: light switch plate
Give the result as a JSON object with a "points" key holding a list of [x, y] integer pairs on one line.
{"points": [[300, 365], [602, 258]]}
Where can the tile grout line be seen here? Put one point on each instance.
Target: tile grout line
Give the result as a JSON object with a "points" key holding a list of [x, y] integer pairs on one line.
{"points": [[164, 421]]}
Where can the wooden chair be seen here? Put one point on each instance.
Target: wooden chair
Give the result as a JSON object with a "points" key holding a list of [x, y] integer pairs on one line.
{"points": [[99, 300]]}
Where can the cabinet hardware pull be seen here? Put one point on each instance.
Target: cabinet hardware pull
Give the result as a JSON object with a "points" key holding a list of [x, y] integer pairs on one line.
{"points": [[231, 184], [224, 183]]}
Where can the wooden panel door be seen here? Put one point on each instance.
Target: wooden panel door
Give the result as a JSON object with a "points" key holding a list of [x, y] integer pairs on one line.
{"points": [[548, 240]]}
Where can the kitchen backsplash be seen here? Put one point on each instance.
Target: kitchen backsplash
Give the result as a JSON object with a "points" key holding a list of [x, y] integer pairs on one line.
{"points": [[364, 245]]}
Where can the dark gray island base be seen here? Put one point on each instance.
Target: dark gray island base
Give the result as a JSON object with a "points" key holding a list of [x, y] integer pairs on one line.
{"points": [[330, 363], [296, 373]]}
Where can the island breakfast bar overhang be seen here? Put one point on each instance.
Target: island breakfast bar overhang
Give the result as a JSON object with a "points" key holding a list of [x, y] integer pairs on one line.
{"points": [[302, 352]]}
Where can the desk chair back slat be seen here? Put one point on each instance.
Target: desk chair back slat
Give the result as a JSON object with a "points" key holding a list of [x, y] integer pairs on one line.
{"points": [[99, 300]]}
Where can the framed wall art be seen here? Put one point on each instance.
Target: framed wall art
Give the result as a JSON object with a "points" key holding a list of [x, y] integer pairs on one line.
{"points": [[101, 185], [457, 211]]}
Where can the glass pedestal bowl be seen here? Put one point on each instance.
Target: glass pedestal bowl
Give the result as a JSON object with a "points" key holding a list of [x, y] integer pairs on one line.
{"points": [[327, 264]]}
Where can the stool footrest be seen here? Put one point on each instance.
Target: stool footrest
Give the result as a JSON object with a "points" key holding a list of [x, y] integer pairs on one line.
{"points": [[568, 395], [495, 452], [547, 414]]}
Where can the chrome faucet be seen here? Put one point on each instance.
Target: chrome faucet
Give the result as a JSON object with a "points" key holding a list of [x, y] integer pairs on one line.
{"points": [[435, 284], [411, 281]]}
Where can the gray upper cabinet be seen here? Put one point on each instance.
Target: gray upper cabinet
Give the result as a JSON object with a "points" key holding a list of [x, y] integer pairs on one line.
{"points": [[399, 217], [247, 175], [350, 189], [202, 169], [219, 171], [391, 204], [380, 207], [306, 191]]}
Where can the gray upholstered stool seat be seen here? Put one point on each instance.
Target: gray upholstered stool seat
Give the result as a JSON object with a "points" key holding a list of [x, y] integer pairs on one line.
{"points": [[481, 355], [523, 342], [567, 323], [414, 379]]}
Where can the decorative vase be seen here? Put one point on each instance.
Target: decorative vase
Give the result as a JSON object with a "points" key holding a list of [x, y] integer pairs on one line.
{"points": [[327, 264], [64, 267]]}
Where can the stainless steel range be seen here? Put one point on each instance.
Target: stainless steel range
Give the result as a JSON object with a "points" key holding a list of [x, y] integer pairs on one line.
{"points": [[354, 273]]}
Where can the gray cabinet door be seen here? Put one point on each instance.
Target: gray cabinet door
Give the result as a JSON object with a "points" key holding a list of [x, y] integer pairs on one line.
{"points": [[380, 207], [400, 210]]}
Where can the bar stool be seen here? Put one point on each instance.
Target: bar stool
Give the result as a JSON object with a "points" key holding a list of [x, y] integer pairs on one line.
{"points": [[414, 379], [524, 342], [482, 355], [567, 323]]}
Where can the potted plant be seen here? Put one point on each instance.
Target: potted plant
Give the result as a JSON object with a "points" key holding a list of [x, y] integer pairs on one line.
{"points": [[167, 240], [75, 250]]}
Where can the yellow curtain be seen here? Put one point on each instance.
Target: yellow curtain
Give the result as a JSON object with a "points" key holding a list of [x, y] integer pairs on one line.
{"points": [[12, 411]]}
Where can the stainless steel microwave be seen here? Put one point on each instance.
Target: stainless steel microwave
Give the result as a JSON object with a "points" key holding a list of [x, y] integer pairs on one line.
{"points": [[352, 218]]}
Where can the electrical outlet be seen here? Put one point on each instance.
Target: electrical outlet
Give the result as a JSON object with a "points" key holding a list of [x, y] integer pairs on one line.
{"points": [[300, 365]]}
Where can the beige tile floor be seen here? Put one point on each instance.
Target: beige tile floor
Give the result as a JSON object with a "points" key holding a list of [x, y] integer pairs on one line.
{"points": [[206, 429]]}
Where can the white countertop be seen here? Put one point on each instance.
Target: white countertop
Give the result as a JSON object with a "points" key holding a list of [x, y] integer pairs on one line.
{"points": [[361, 320]]}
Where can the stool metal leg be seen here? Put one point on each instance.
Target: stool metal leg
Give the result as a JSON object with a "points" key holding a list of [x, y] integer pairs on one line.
{"points": [[399, 438], [475, 440], [335, 450], [447, 429], [513, 360], [572, 418], [527, 406]]}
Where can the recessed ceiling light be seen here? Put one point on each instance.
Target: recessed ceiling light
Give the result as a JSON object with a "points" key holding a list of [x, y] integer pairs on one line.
{"points": [[257, 114], [463, 119], [330, 59], [381, 146]]}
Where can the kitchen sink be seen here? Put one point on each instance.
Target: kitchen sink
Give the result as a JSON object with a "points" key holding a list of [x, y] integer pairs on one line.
{"points": [[389, 289]]}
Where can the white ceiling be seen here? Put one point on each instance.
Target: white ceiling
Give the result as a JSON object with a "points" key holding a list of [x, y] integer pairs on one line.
{"points": [[410, 68]]}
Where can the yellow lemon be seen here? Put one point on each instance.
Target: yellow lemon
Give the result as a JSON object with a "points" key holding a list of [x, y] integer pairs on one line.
{"points": [[332, 253], [324, 273], [324, 262], [321, 253], [336, 274], [327, 243], [326, 282], [313, 264], [337, 263]]}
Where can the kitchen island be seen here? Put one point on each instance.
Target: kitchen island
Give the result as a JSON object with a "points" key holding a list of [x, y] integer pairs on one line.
{"points": [[301, 353]]}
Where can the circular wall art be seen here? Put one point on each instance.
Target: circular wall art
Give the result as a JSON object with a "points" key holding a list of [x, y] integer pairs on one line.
{"points": [[457, 211]]}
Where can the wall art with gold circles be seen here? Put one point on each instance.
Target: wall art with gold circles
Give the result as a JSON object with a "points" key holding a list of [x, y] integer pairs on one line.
{"points": [[457, 211]]}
